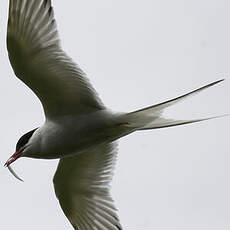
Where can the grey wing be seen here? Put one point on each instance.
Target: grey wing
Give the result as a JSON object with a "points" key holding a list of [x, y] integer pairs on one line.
{"points": [[82, 186], [38, 60]]}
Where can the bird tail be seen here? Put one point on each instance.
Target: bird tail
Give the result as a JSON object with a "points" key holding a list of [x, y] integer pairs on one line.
{"points": [[152, 117]]}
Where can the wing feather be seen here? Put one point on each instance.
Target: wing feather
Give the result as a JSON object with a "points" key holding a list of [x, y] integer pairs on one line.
{"points": [[82, 186], [37, 59]]}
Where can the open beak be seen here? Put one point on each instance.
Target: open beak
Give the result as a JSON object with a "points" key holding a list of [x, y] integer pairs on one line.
{"points": [[14, 157]]}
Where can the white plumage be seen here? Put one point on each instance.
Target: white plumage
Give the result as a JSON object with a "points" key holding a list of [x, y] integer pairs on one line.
{"points": [[78, 129]]}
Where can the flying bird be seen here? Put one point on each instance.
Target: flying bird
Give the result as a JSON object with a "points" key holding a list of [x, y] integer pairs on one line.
{"points": [[79, 129]]}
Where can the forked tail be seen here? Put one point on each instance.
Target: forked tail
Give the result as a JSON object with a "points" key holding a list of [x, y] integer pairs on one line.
{"points": [[152, 117]]}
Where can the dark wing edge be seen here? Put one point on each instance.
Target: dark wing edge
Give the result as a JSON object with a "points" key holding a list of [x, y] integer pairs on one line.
{"points": [[32, 26], [82, 186], [37, 59]]}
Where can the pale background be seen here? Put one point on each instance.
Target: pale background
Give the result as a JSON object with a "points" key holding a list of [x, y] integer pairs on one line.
{"points": [[136, 53]]}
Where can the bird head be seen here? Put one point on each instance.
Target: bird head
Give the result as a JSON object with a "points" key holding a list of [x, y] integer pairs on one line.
{"points": [[20, 148]]}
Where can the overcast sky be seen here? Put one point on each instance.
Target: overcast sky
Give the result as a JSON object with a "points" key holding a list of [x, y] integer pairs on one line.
{"points": [[136, 53]]}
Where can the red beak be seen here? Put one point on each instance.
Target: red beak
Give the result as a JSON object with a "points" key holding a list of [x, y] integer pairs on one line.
{"points": [[14, 157]]}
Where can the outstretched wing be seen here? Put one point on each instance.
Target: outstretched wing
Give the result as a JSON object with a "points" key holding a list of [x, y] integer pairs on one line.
{"points": [[82, 186], [38, 60]]}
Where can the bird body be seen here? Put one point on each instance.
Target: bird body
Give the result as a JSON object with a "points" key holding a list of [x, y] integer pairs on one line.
{"points": [[78, 128], [70, 135]]}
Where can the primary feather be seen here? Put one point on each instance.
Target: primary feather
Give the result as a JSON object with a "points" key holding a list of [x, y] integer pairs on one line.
{"points": [[38, 60], [85, 196]]}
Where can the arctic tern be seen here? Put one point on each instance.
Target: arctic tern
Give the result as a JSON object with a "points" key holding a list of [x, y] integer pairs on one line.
{"points": [[78, 128]]}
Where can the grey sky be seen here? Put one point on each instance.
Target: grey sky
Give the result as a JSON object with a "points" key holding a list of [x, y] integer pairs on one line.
{"points": [[136, 53]]}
